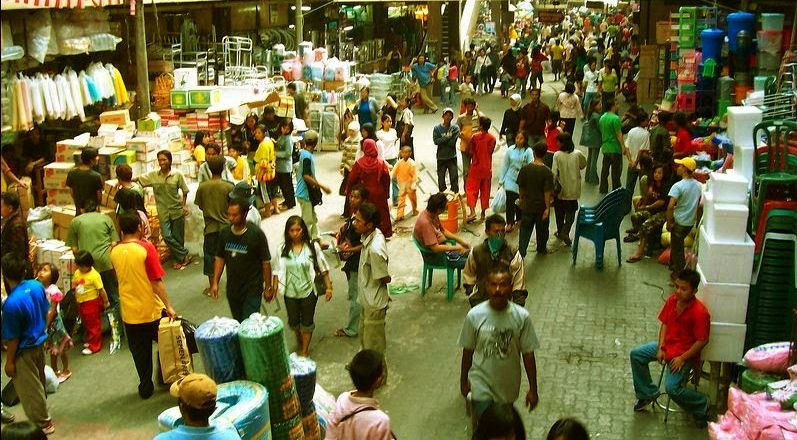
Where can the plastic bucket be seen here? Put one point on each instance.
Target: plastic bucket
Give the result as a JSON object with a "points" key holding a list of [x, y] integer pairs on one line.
{"points": [[712, 43], [772, 21], [739, 21], [770, 41]]}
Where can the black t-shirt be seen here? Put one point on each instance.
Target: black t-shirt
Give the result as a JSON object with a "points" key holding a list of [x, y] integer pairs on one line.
{"points": [[354, 239], [244, 256], [85, 184], [534, 181]]}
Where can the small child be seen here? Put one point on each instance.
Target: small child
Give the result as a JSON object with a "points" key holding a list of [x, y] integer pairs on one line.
{"points": [[466, 90], [552, 130], [356, 414], [241, 171], [406, 174], [58, 340], [92, 300]]}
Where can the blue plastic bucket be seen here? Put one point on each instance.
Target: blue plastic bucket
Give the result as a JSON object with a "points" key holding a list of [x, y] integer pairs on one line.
{"points": [[739, 21], [712, 43]]}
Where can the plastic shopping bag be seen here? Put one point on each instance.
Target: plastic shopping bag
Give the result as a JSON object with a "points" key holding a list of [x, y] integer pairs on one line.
{"points": [[499, 201]]}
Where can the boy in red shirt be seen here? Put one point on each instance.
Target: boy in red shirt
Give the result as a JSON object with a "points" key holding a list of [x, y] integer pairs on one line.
{"points": [[684, 331], [480, 175]]}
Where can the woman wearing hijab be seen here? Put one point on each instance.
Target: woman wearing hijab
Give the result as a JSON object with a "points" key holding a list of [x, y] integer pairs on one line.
{"points": [[511, 123], [372, 172]]}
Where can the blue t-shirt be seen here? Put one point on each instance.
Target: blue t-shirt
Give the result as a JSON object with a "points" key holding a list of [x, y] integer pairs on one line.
{"points": [[688, 193], [25, 314], [364, 112], [306, 166], [423, 72], [183, 432]]}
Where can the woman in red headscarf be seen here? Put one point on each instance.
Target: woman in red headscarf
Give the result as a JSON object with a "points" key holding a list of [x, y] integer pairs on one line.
{"points": [[372, 172]]}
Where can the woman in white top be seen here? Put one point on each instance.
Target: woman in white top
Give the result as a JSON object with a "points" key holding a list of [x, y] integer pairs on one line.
{"points": [[569, 107], [388, 145], [300, 269], [480, 70], [567, 165]]}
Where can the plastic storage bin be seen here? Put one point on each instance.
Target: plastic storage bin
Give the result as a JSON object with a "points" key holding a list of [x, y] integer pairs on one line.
{"points": [[770, 41], [687, 98], [725, 302], [739, 21], [772, 22], [725, 261], [712, 40], [725, 221]]}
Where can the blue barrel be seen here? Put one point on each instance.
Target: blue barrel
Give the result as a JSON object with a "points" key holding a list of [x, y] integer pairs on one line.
{"points": [[739, 21], [712, 43]]}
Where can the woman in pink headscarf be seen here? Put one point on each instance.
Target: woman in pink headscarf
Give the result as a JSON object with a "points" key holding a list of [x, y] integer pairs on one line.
{"points": [[372, 172]]}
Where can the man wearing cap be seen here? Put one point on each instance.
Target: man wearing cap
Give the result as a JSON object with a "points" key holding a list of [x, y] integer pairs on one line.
{"points": [[445, 137], [306, 178], [196, 398], [682, 212], [211, 198]]}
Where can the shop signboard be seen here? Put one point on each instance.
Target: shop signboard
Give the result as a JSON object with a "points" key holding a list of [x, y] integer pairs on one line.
{"points": [[550, 16]]}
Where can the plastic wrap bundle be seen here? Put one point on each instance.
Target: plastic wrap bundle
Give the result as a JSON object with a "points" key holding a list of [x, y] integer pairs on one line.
{"points": [[242, 404], [323, 404], [303, 371], [291, 429], [217, 340], [312, 429], [266, 362]]}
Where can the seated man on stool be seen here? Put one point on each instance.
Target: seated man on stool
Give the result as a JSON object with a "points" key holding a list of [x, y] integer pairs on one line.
{"points": [[196, 398], [492, 252], [684, 331], [430, 232]]}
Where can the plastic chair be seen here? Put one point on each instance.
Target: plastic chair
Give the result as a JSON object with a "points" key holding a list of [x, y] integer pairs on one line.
{"points": [[437, 260], [604, 225], [588, 212], [776, 216], [693, 377], [776, 162]]}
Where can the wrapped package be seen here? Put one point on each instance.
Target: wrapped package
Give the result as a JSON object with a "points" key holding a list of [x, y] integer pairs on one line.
{"points": [[217, 340]]}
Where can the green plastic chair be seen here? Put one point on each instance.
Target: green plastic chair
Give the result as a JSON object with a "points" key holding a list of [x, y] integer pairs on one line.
{"points": [[433, 261], [775, 163]]}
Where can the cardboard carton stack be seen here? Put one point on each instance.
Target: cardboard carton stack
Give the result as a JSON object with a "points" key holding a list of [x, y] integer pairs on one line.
{"points": [[57, 253]]}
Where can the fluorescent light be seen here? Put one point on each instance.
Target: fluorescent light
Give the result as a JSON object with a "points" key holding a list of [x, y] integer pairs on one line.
{"points": [[293, 7], [291, 26], [348, 28], [305, 8]]}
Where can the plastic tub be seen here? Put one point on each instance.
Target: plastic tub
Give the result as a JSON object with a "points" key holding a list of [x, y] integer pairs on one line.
{"points": [[760, 82], [770, 41], [741, 92], [772, 21], [768, 61], [712, 40], [739, 21]]}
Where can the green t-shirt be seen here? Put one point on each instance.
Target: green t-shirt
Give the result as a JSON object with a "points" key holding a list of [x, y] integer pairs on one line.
{"points": [[610, 126], [94, 232], [211, 197], [609, 81]]}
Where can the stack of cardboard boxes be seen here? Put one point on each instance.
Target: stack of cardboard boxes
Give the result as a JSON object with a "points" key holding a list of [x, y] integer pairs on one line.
{"points": [[648, 73]]}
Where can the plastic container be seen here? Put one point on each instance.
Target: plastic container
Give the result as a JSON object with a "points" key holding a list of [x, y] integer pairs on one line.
{"points": [[772, 22], [712, 40], [725, 87], [739, 21], [760, 82], [769, 61], [740, 92], [770, 41]]}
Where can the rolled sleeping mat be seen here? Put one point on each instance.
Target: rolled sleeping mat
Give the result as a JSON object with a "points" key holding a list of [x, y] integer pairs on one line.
{"points": [[312, 429], [303, 371], [290, 429], [266, 362], [217, 340], [242, 404]]}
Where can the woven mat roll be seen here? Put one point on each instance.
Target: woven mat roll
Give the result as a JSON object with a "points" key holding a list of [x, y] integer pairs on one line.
{"points": [[265, 359], [217, 340], [310, 424], [288, 430], [303, 371]]}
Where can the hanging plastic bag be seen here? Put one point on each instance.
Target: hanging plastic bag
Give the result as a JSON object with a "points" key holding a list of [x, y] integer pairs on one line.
{"points": [[38, 25], [499, 201]]}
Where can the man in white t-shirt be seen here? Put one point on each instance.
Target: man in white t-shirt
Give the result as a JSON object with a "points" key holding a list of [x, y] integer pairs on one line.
{"points": [[590, 82], [637, 143], [495, 336]]}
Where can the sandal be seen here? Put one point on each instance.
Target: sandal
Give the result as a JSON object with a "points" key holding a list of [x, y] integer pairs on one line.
{"points": [[341, 334], [63, 377], [188, 259], [470, 219], [633, 259], [177, 266]]}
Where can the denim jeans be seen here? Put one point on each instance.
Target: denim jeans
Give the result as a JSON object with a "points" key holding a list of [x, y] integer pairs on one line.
{"points": [[353, 323], [588, 97], [528, 222], [173, 233], [677, 237], [111, 285], [444, 97], [394, 188], [591, 175], [675, 384], [450, 166], [465, 167], [243, 304], [631, 177]]}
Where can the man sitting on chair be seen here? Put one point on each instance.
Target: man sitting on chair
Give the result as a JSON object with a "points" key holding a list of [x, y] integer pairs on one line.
{"points": [[429, 232], [684, 331], [494, 251]]}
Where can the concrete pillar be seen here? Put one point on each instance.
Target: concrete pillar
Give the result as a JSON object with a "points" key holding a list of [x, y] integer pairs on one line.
{"points": [[434, 28], [142, 72]]}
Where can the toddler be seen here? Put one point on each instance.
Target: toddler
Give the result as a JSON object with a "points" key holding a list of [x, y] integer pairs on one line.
{"points": [[406, 175], [58, 340], [91, 298], [241, 171]]}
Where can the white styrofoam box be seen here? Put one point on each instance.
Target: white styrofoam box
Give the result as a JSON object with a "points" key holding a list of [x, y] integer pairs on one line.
{"points": [[725, 342], [723, 261], [186, 77], [744, 162], [741, 121], [730, 187], [726, 302], [725, 221]]}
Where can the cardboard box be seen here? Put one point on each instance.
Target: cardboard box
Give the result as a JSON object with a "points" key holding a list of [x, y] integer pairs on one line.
{"points": [[663, 32], [105, 160], [149, 156], [179, 98], [120, 118], [59, 197], [142, 144], [62, 216], [203, 97], [65, 148], [109, 192], [151, 122], [55, 174]]}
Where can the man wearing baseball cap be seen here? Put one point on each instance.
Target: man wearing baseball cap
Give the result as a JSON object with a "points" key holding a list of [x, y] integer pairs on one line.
{"points": [[196, 398], [682, 212]]}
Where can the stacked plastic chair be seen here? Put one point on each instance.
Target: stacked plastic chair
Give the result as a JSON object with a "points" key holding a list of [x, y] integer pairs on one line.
{"points": [[601, 222], [773, 291]]}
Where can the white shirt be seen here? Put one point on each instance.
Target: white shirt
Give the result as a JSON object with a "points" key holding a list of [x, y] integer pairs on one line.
{"points": [[387, 144], [591, 78], [373, 267], [636, 140]]}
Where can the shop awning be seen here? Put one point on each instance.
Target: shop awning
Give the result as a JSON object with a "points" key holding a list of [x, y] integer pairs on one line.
{"points": [[58, 4]]}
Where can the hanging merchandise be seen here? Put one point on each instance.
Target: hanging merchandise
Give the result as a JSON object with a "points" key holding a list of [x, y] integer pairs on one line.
{"points": [[217, 340]]}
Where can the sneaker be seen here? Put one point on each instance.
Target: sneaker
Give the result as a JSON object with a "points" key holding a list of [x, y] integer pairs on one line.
{"points": [[49, 429], [87, 352], [7, 417], [641, 404]]}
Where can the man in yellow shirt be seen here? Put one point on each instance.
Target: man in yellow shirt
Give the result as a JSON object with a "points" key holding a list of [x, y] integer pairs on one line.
{"points": [[557, 51]]}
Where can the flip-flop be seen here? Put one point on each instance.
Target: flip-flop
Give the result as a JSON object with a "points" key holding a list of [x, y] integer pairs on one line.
{"points": [[341, 334], [64, 377], [633, 259], [470, 219]]}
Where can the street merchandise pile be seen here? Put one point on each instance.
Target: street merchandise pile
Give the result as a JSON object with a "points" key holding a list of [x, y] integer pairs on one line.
{"points": [[217, 340]]}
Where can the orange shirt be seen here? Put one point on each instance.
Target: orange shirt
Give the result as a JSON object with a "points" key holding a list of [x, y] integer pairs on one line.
{"points": [[405, 171]]}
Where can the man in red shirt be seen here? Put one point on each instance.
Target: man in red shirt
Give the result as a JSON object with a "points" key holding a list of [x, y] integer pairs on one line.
{"points": [[684, 331]]}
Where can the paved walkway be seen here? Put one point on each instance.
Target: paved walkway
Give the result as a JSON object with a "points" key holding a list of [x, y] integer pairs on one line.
{"points": [[587, 322]]}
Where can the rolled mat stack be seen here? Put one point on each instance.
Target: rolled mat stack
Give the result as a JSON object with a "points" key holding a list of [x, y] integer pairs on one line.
{"points": [[303, 371], [217, 340], [265, 359]]}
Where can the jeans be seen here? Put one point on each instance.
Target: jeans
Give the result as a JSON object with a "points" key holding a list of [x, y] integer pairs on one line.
{"points": [[394, 188], [528, 222], [631, 177], [450, 166], [139, 339], [465, 167], [111, 285], [677, 237], [444, 97], [588, 97], [173, 233], [512, 210], [310, 217], [611, 161], [591, 175], [286, 186], [520, 86], [243, 304], [353, 323], [565, 215], [692, 401], [484, 82]]}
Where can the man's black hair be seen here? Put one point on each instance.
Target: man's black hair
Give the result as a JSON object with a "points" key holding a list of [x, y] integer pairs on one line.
{"points": [[365, 369]]}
